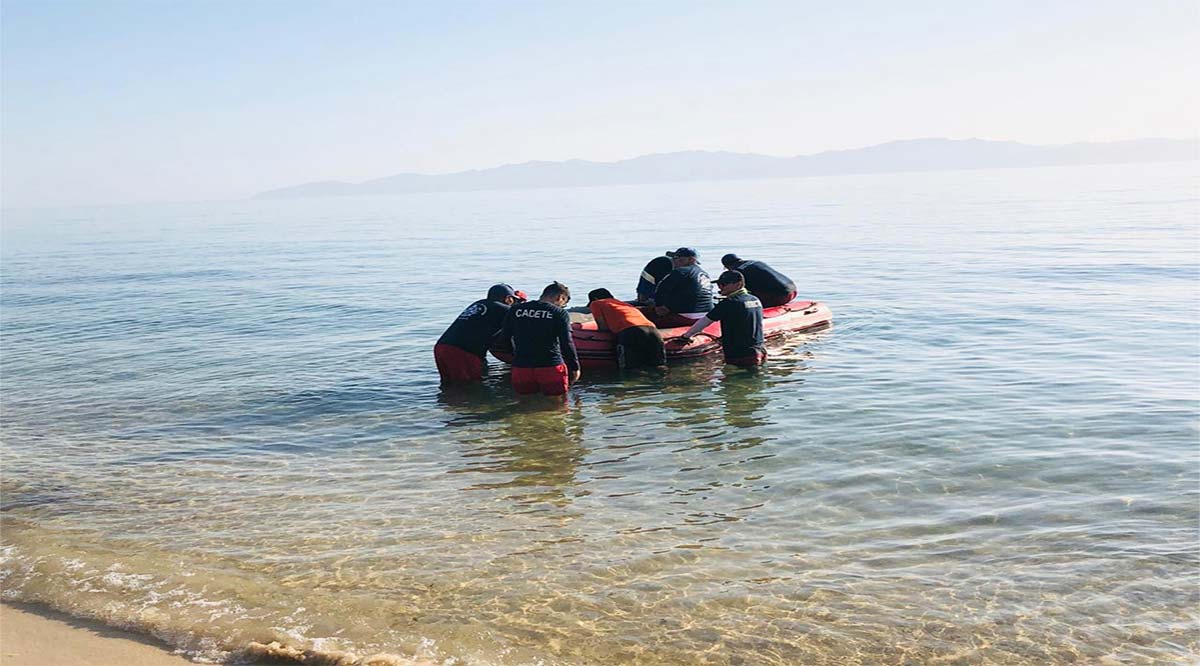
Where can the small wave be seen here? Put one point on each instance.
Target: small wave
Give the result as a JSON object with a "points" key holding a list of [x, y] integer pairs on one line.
{"points": [[285, 654], [201, 618]]}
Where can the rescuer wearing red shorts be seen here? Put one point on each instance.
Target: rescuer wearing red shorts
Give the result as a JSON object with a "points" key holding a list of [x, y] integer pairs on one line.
{"points": [[544, 358], [461, 351]]}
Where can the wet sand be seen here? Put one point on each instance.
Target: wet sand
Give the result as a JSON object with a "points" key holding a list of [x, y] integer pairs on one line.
{"points": [[31, 636]]}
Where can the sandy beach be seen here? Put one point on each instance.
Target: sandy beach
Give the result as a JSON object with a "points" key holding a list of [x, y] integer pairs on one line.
{"points": [[30, 636]]}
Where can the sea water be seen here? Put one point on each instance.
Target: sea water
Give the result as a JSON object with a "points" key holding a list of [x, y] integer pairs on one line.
{"points": [[222, 426]]}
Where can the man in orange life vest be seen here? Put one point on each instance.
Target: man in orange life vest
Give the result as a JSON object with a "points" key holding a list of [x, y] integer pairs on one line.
{"points": [[639, 344], [544, 357]]}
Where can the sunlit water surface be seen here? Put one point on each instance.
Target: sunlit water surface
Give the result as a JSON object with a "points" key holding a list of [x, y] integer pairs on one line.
{"points": [[222, 424]]}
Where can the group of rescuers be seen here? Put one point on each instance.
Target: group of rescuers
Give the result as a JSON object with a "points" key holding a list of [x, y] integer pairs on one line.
{"points": [[673, 291]]}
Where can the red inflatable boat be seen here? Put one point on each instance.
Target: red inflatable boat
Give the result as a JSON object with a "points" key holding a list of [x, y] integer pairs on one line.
{"points": [[598, 349]]}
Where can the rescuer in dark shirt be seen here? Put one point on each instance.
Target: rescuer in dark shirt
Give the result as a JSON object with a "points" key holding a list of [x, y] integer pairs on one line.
{"points": [[769, 285], [544, 357], [460, 352], [685, 294], [741, 317], [652, 274]]}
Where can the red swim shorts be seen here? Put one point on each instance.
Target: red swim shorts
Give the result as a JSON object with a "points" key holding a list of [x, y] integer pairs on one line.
{"points": [[550, 380], [457, 365]]}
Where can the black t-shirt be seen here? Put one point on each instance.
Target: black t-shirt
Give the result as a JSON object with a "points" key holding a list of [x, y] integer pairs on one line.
{"points": [[762, 280], [652, 274], [741, 317], [685, 289], [541, 336], [475, 328]]}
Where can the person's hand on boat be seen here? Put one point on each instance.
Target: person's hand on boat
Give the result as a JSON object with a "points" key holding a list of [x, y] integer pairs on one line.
{"points": [[575, 375]]}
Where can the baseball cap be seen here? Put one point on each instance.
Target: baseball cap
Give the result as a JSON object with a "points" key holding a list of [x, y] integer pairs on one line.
{"points": [[683, 252], [521, 296], [501, 291], [730, 258], [730, 277]]}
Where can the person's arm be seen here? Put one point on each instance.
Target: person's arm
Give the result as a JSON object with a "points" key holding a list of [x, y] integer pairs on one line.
{"points": [[505, 335], [714, 315], [646, 286], [496, 324], [567, 345], [701, 324]]}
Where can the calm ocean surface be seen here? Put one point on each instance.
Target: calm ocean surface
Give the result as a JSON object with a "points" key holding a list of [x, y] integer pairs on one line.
{"points": [[222, 424]]}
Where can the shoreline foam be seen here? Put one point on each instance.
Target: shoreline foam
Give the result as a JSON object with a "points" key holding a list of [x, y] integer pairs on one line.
{"points": [[35, 636], [32, 635]]}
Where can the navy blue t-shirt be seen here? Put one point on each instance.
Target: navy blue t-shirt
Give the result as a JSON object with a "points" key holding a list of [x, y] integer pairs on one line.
{"points": [[762, 280], [686, 289], [741, 317], [652, 274], [541, 336], [476, 327]]}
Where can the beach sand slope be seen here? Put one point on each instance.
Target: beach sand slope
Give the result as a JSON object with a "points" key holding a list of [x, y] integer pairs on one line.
{"points": [[34, 637]]}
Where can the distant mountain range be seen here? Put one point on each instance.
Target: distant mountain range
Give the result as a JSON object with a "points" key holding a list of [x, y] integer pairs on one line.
{"points": [[895, 156]]}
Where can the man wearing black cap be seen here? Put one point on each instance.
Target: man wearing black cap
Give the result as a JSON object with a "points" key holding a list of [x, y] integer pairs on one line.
{"points": [[544, 357], [460, 352], [741, 317], [685, 294], [769, 285]]}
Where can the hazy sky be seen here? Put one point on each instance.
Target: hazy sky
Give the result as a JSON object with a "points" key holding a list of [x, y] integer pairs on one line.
{"points": [[107, 102]]}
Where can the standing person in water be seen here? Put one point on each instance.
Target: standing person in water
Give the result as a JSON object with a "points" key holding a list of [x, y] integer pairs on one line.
{"points": [[769, 285], [461, 352], [544, 357], [741, 317], [685, 294], [639, 344], [652, 274]]}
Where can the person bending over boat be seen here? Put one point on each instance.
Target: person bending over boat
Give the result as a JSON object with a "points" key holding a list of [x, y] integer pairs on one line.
{"points": [[544, 357], [769, 285], [741, 317], [460, 353], [639, 344], [685, 294], [652, 274]]}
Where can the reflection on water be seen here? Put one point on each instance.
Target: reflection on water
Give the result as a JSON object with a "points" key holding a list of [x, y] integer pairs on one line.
{"points": [[973, 466], [539, 449]]}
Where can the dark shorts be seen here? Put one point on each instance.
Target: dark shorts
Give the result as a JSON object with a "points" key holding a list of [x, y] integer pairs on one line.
{"points": [[640, 347], [457, 365], [550, 380], [750, 361], [775, 300]]}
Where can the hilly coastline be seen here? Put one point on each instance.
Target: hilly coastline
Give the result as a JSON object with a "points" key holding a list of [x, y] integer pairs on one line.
{"points": [[891, 157]]}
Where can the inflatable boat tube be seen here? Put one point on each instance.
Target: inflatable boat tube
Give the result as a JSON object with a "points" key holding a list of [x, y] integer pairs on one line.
{"points": [[598, 349]]}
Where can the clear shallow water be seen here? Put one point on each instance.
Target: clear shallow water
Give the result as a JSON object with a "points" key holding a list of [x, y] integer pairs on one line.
{"points": [[221, 424]]}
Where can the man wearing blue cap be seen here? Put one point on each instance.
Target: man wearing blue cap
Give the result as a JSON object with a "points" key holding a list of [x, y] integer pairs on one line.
{"points": [[460, 352], [685, 294]]}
